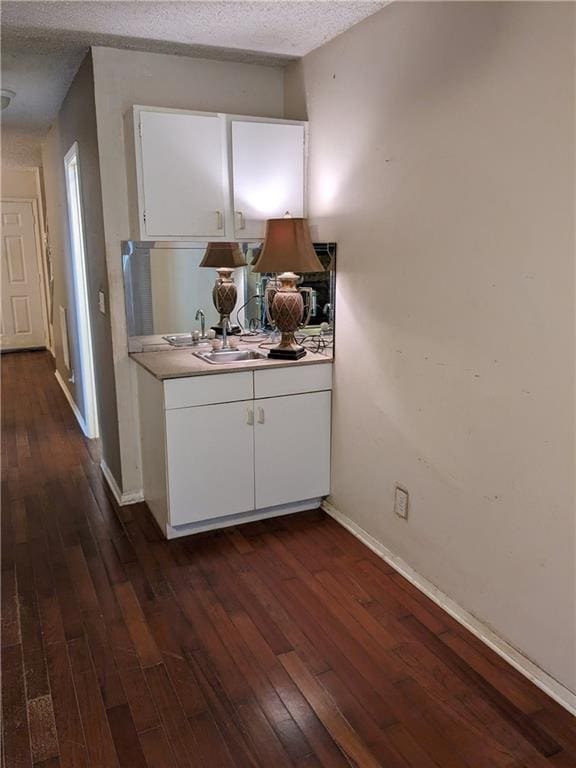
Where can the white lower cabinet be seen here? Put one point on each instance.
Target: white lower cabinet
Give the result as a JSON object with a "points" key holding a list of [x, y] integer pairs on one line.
{"points": [[210, 460], [292, 448], [208, 464]]}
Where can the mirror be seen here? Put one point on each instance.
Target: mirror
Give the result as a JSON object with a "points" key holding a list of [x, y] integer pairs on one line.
{"points": [[164, 287], [319, 291]]}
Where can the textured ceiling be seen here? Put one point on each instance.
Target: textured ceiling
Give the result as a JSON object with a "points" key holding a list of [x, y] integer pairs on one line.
{"points": [[39, 75], [43, 43]]}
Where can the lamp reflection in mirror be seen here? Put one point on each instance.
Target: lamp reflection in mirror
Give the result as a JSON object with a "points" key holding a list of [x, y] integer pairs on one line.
{"points": [[287, 249], [224, 258]]}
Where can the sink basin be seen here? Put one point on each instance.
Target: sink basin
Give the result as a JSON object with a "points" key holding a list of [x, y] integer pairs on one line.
{"points": [[224, 356]]}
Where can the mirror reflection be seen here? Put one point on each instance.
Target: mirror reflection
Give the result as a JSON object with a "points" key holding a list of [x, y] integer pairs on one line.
{"points": [[169, 292]]}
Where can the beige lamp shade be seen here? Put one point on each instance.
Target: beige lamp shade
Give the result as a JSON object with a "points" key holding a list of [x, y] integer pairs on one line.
{"points": [[223, 255], [288, 248]]}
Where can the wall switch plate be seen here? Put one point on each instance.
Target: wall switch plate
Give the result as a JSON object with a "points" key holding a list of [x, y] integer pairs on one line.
{"points": [[102, 302], [401, 502]]}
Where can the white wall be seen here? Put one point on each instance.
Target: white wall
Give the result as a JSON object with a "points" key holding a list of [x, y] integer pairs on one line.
{"points": [[442, 162], [76, 122], [21, 148], [122, 79], [53, 157], [20, 182]]}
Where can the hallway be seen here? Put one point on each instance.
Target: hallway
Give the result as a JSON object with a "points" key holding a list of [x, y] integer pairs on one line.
{"points": [[284, 643]]}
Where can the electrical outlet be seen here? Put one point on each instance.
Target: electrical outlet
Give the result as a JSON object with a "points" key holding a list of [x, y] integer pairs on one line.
{"points": [[401, 502]]}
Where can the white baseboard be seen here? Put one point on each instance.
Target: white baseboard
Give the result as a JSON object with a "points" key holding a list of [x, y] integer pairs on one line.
{"points": [[525, 666], [68, 396], [122, 498]]}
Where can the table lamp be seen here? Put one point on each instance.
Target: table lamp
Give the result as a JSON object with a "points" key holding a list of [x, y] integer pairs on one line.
{"points": [[224, 258], [287, 249]]}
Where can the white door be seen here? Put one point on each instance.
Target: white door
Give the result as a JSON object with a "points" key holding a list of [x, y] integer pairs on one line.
{"points": [[268, 174], [182, 161], [210, 460], [22, 321], [292, 448]]}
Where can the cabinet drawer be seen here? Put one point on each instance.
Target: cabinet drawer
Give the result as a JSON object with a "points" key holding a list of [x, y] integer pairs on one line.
{"points": [[292, 381], [207, 390]]}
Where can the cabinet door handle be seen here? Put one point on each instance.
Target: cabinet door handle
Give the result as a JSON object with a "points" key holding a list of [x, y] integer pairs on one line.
{"points": [[261, 416], [219, 220], [241, 220], [249, 416]]}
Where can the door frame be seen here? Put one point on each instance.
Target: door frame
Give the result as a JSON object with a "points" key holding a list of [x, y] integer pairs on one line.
{"points": [[39, 260], [90, 425]]}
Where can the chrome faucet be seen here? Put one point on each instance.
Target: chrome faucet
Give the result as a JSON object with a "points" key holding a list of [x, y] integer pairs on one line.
{"points": [[200, 314], [225, 344]]}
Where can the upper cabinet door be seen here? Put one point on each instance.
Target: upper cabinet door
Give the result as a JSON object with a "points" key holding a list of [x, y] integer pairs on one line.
{"points": [[182, 182], [268, 174]]}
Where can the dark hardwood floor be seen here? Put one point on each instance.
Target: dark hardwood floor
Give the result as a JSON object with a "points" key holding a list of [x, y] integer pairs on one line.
{"points": [[284, 643]]}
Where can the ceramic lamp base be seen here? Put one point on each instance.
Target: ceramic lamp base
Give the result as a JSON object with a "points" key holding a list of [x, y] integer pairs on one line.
{"points": [[287, 311], [224, 295]]}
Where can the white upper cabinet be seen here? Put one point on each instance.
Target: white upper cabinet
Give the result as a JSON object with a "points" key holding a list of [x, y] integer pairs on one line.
{"points": [[182, 172], [213, 176], [267, 174]]}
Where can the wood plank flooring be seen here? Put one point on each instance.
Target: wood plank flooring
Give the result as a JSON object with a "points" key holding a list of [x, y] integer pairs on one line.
{"points": [[275, 644]]}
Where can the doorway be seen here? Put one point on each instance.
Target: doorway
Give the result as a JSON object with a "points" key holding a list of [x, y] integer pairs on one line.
{"points": [[80, 282], [24, 319]]}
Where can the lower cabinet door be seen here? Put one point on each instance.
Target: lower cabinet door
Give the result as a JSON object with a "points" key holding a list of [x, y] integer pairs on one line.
{"points": [[292, 448], [210, 459]]}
